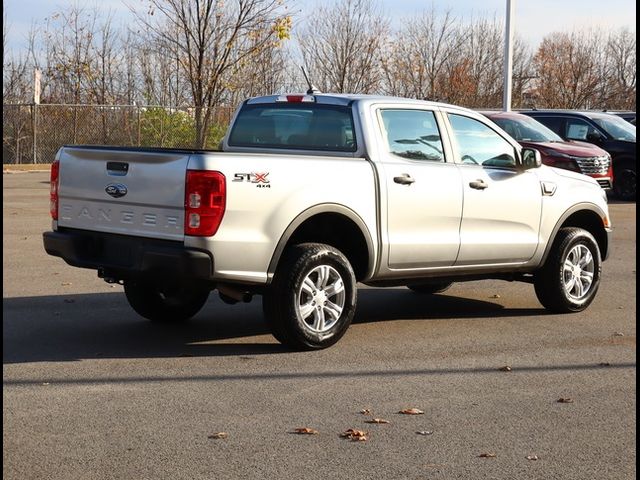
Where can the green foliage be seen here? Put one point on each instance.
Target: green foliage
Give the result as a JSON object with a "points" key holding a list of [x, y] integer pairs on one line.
{"points": [[164, 127], [215, 133]]}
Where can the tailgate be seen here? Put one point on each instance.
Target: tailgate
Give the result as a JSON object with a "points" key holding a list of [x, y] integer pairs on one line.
{"points": [[129, 192]]}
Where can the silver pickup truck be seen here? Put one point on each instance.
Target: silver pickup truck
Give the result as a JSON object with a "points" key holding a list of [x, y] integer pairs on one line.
{"points": [[314, 193]]}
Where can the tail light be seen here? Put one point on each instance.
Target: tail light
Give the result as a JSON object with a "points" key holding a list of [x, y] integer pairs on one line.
{"points": [[204, 202], [53, 193]]}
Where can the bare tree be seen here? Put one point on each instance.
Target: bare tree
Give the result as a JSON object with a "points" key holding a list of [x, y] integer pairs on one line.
{"points": [[523, 74], [265, 73], [209, 44], [567, 69], [420, 53], [341, 46], [69, 39], [621, 56]]}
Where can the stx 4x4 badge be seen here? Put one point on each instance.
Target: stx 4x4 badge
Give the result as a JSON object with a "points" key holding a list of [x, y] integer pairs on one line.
{"points": [[259, 178]]}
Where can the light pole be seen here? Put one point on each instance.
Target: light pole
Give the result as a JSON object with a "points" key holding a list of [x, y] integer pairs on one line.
{"points": [[508, 56]]}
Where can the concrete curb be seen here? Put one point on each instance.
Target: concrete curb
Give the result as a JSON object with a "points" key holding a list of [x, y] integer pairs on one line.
{"points": [[25, 168]]}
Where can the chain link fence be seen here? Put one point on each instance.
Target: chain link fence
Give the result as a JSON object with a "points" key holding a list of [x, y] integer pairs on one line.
{"points": [[34, 133]]}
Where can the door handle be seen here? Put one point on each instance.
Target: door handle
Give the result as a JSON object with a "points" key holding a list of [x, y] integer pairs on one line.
{"points": [[404, 179], [478, 184]]}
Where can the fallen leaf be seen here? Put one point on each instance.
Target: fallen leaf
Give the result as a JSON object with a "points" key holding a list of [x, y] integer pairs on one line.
{"points": [[355, 435], [487, 455], [506, 368], [495, 296], [618, 334], [565, 400], [411, 411], [45, 383], [305, 431], [531, 457], [377, 420], [218, 435], [365, 411], [66, 284], [425, 432]]}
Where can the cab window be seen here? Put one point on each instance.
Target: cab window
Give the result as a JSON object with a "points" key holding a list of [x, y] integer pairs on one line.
{"points": [[412, 134], [478, 144]]}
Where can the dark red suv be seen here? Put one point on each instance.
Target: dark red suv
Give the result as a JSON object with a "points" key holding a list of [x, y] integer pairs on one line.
{"points": [[581, 157]]}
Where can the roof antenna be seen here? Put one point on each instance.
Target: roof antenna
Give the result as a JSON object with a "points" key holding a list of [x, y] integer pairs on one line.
{"points": [[312, 88]]}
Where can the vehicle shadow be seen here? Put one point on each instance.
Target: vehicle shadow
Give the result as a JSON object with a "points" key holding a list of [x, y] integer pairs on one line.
{"points": [[89, 326], [380, 304]]}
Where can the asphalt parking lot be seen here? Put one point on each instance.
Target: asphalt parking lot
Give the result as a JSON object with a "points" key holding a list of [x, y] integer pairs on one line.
{"points": [[92, 391]]}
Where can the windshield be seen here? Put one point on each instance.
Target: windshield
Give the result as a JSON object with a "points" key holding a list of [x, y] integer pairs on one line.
{"points": [[294, 126], [617, 127], [526, 129]]}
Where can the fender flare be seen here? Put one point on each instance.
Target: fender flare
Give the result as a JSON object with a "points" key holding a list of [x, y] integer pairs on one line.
{"points": [[575, 208], [311, 212]]}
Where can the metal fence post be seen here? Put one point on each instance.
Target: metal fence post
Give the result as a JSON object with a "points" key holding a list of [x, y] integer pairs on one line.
{"points": [[34, 126], [138, 112]]}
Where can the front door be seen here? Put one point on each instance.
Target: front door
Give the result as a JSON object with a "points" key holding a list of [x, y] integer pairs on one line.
{"points": [[502, 202]]}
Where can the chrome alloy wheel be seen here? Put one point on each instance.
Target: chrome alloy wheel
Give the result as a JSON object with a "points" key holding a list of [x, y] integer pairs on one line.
{"points": [[577, 274], [321, 299]]}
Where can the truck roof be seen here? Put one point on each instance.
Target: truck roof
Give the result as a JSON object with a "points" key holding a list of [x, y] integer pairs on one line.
{"points": [[343, 99]]}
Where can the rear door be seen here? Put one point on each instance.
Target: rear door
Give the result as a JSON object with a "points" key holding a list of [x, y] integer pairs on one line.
{"points": [[502, 202], [423, 190], [131, 192]]}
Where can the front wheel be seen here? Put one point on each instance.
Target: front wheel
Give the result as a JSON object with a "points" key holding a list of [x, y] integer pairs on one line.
{"points": [[570, 278], [164, 304], [312, 299], [624, 182]]}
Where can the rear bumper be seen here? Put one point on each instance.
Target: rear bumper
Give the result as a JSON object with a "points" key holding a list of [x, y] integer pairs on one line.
{"points": [[124, 257]]}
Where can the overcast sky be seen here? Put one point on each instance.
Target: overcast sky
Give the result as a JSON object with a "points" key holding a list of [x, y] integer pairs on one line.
{"points": [[533, 18]]}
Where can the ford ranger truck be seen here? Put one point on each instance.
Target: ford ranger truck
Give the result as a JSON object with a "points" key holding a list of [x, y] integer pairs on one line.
{"points": [[314, 193]]}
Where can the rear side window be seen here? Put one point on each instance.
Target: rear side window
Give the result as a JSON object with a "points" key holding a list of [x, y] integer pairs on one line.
{"points": [[554, 123], [413, 134], [295, 126]]}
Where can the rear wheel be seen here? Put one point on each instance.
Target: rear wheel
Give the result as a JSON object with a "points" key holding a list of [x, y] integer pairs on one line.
{"points": [[570, 278], [430, 288], [164, 304], [312, 299]]}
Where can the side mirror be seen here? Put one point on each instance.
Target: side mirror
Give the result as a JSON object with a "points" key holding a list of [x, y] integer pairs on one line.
{"points": [[531, 158]]}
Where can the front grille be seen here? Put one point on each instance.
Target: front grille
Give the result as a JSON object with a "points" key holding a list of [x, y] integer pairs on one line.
{"points": [[593, 165]]}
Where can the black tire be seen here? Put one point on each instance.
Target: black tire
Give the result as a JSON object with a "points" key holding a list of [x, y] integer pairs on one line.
{"points": [[551, 282], [164, 305], [430, 288], [624, 181], [288, 295]]}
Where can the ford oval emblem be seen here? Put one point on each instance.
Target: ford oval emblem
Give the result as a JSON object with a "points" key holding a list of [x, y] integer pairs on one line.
{"points": [[116, 190]]}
